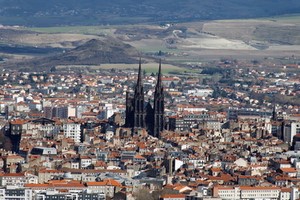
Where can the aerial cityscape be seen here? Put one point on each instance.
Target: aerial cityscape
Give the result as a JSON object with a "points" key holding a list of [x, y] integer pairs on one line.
{"points": [[140, 100]]}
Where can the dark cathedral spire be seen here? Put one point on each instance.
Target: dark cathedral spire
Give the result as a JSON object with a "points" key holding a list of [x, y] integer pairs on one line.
{"points": [[274, 113], [138, 105], [139, 83], [158, 84], [158, 105]]}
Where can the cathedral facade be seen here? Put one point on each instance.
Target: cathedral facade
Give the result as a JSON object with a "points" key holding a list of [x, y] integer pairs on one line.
{"points": [[141, 114]]}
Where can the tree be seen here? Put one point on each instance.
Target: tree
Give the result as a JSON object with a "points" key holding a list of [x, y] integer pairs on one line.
{"points": [[53, 69]]}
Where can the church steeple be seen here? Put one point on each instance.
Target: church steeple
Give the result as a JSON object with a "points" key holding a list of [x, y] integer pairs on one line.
{"points": [[158, 84], [158, 105], [139, 84], [139, 111]]}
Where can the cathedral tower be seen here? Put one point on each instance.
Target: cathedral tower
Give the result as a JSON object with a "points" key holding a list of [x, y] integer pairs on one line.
{"points": [[158, 105], [138, 101], [140, 114]]}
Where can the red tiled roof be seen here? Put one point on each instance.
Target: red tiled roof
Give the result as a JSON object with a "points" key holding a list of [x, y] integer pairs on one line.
{"points": [[12, 174]]}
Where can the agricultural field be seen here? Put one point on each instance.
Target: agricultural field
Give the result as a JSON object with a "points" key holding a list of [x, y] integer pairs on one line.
{"points": [[148, 67], [179, 44]]}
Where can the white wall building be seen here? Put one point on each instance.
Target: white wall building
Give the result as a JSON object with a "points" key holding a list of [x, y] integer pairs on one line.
{"points": [[109, 110], [255, 193], [72, 130], [200, 92], [17, 179], [290, 130], [15, 193], [71, 111]]}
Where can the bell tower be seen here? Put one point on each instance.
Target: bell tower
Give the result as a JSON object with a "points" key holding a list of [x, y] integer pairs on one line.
{"points": [[158, 105], [139, 102]]}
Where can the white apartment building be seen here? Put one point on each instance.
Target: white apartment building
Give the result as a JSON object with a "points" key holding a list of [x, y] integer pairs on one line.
{"points": [[15, 192], [290, 130], [255, 193], [17, 179], [72, 130]]}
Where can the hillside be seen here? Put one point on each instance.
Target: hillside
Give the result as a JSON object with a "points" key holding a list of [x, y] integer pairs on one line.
{"points": [[93, 52], [95, 12]]}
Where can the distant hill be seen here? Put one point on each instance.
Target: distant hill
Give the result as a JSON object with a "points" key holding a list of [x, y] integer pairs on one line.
{"points": [[93, 52], [98, 52], [95, 12]]}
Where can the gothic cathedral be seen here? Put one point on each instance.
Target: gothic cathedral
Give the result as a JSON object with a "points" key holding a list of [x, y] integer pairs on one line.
{"points": [[141, 114]]}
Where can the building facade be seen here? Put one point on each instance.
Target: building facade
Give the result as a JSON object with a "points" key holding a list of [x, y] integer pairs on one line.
{"points": [[141, 114]]}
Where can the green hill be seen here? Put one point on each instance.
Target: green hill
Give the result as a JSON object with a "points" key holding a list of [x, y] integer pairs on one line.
{"points": [[93, 52]]}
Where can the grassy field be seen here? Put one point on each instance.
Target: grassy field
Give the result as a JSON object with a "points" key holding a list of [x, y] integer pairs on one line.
{"points": [[148, 67], [152, 46], [89, 30], [206, 40], [286, 18]]}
